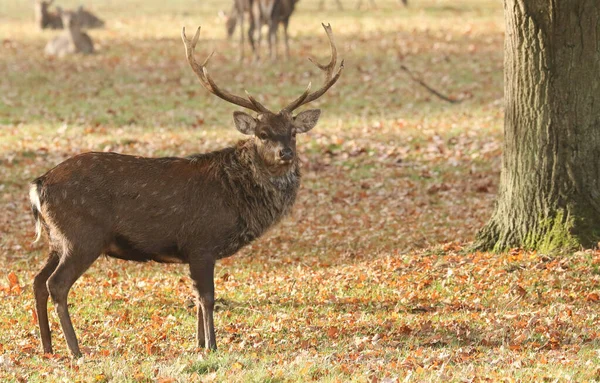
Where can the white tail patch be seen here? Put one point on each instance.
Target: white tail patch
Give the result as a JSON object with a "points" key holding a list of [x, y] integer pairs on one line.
{"points": [[34, 197]]}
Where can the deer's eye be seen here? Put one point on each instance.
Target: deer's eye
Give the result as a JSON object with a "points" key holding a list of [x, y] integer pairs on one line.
{"points": [[294, 134], [263, 135]]}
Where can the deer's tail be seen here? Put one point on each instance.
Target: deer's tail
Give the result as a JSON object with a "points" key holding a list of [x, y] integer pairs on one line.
{"points": [[36, 207]]}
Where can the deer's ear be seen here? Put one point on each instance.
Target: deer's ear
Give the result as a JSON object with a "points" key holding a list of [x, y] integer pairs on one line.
{"points": [[306, 120], [244, 122]]}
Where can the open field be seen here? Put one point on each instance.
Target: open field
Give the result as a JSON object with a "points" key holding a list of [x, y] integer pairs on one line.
{"points": [[369, 279]]}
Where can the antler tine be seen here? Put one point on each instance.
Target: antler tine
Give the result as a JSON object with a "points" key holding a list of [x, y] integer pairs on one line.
{"points": [[297, 102], [328, 67], [330, 79], [257, 104], [201, 72], [190, 46]]}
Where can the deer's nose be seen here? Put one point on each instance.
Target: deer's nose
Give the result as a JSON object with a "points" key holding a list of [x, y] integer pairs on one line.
{"points": [[286, 154]]}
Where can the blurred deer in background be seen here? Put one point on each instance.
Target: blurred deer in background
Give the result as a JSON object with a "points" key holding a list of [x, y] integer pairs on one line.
{"points": [[271, 13], [72, 40], [240, 9], [44, 18], [192, 210]]}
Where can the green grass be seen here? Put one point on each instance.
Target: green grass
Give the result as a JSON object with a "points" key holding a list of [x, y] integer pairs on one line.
{"points": [[367, 279]]}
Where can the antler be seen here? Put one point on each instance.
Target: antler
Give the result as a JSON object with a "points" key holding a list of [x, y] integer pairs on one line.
{"points": [[202, 74], [330, 79]]}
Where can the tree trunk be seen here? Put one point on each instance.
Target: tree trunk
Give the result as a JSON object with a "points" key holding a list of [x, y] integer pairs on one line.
{"points": [[549, 195]]}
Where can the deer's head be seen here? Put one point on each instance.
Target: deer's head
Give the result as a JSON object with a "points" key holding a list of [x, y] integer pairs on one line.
{"points": [[275, 133]]}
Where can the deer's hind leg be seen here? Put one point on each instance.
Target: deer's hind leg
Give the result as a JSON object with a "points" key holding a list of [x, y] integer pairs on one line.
{"points": [[73, 263], [40, 291]]}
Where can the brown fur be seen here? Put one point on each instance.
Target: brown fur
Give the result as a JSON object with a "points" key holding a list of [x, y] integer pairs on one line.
{"points": [[192, 210]]}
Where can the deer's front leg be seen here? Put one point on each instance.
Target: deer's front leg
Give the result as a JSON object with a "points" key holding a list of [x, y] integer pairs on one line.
{"points": [[202, 274]]}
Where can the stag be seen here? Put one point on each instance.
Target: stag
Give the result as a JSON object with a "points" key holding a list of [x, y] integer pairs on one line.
{"points": [[194, 210], [72, 40]]}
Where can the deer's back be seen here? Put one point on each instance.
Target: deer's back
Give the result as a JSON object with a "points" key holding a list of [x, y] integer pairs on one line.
{"points": [[89, 20]]}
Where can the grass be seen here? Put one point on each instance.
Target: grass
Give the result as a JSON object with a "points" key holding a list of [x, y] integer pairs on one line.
{"points": [[368, 279]]}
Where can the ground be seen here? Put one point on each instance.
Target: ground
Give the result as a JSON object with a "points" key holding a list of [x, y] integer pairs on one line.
{"points": [[369, 279]]}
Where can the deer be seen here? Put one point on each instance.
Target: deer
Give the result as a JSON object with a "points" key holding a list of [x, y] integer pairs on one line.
{"points": [[271, 13], [192, 210], [72, 40], [44, 18]]}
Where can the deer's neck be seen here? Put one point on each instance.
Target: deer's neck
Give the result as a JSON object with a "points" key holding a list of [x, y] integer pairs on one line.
{"points": [[260, 198], [280, 177]]}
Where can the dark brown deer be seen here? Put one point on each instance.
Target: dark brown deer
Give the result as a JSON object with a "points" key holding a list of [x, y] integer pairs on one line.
{"points": [[44, 18], [192, 210]]}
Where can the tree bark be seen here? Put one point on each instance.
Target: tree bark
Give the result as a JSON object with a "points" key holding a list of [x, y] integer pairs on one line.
{"points": [[549, 195]]}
